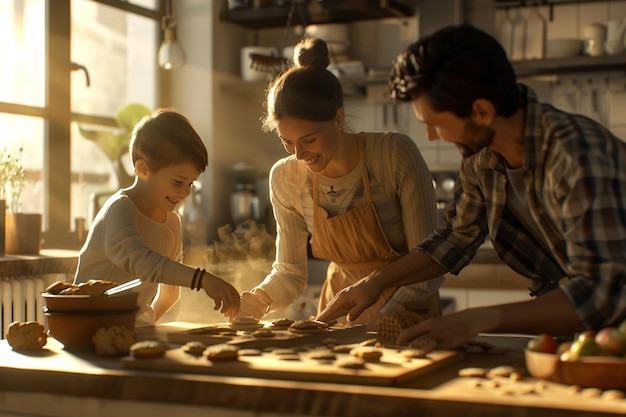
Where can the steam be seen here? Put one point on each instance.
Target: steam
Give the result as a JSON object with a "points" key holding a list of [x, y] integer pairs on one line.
{"points": [[242, 256]]}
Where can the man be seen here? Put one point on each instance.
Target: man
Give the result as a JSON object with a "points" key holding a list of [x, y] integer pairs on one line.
{"points": [[548, 187]]}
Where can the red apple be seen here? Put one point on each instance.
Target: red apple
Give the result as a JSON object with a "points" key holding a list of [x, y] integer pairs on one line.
{"points": [[543, 343], [611, 341]]}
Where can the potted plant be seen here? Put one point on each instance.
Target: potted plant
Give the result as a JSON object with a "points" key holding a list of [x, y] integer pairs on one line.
{"points": [[114, 143], [22, 231]]}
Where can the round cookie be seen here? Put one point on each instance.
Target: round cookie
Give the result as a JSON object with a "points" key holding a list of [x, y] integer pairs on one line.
{"points": [[263, 333], [194, 347], [221, 352], [305, 326], [148, 349], [245, 323], [351, 363], [281, 323]]}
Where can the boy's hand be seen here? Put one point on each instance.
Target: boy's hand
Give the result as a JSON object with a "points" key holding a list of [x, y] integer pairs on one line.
{"points": [[224, 294]]}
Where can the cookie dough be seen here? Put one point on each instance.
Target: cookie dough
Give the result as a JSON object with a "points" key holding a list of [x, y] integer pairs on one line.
{"points": [[30, 335]]}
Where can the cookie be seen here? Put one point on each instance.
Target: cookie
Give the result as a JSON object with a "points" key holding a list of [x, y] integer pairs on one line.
{"points": [[113, 340], [500, 371], [30, 335], [93, 287], [56, 287], [263, 333], [367, 353], [323, 355], [250, 352], [306, 326], [281, 323], [148, 349], [194, 347], [351, 363], [414, 353], [245, 323], [473, 372], [427, 345], [221, 353]]}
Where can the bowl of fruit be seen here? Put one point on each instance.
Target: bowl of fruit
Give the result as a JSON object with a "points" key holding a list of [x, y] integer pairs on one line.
{"points": [[591, 359]]}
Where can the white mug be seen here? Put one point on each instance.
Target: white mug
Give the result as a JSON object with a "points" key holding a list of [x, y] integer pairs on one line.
{"points": [[248, 72], [594, 37]]}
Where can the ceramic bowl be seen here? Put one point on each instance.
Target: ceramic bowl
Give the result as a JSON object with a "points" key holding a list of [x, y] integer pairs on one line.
{"points": [[563, 47], [593, 371], [74, 319]]}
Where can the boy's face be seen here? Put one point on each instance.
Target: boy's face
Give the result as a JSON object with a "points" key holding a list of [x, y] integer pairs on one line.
{"points": [[171, 185]]}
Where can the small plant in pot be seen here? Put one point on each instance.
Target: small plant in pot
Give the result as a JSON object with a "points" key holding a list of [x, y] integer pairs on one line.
{"points": [[22, 231]]}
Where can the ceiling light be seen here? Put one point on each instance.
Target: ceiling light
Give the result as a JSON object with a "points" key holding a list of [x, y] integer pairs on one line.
{"points": [[171, 54]]}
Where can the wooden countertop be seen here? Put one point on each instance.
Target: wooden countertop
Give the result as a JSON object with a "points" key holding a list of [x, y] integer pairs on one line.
{"points": [[440, 393], [49, 261]]}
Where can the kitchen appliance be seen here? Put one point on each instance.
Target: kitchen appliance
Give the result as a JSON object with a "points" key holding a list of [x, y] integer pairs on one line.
{"points": [[444, 182], [244, 201]]}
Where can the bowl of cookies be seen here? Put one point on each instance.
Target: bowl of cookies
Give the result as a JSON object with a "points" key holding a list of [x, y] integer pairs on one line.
{"points": [[74, 313]]}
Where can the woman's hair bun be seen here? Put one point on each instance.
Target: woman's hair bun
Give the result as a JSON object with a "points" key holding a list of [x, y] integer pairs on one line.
{"points": [[311, 52]]}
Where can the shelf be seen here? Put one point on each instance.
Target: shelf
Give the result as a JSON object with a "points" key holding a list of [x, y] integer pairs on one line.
{"points": [[316, 12], [575, 64]]}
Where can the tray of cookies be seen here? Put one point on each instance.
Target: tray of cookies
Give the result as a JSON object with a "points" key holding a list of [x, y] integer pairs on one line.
{"points": [[254, 333], [366, 362]]}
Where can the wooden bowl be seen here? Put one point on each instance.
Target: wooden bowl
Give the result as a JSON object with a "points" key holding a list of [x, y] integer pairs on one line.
{"points": [[74, 319], [602, 372], [63, 303]]}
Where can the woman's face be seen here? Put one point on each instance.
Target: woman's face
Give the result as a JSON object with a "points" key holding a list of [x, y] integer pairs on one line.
{"points": [[315, 144]]}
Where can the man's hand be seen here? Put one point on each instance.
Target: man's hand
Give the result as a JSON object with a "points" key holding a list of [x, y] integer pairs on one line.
{"points": [[351, 301]]}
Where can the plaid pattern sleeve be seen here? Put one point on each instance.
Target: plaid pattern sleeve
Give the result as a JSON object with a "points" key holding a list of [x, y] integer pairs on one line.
{"points": [[577, 196]]}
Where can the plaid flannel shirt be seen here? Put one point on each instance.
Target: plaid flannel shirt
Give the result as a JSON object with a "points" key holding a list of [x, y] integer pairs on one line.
{"points": [[577, 196]]}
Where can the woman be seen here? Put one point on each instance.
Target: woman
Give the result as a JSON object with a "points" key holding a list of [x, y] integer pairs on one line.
{"points": [[364, 198]]}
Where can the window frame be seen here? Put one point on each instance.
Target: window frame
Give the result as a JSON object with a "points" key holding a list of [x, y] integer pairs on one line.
{"points": [[56, 170]]}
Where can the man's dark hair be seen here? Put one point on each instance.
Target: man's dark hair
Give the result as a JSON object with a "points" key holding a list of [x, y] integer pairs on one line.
{"points": [[453, 67]]}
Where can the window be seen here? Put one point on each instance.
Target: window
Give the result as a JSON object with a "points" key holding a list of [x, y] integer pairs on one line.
{"points": [[73, 64]]}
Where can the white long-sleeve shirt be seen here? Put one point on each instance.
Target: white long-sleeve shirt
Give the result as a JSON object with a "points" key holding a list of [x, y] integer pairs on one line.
{"points": [[402, 192], [124, 244]]}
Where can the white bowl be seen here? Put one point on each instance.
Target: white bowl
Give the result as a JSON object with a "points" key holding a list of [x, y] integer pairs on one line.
{"points": [[563, 47]]}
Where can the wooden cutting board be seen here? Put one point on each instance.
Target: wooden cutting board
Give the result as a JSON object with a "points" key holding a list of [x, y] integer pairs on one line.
{"points": [[181, 333], [298, 365]]}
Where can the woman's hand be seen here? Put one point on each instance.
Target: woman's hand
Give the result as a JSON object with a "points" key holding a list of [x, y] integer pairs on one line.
{"points": [[226, 297], [252, 304]]}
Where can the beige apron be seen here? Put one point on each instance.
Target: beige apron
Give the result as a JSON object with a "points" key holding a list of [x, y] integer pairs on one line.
{"points": [[355, 244]]}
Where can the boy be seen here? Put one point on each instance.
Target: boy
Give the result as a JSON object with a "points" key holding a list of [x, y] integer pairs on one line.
{"points": [[137, 234]]}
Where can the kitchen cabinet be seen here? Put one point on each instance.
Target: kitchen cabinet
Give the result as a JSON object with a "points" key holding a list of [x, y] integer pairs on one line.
{"points": [[276, 14]]}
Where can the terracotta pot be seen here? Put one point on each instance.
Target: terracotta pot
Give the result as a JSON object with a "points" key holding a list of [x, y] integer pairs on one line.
{"points": [[22, 233]]}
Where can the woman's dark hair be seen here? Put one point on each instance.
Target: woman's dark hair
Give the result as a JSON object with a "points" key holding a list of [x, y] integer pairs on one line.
{"points": [[167, 138], [453, 67], [306, 90]]}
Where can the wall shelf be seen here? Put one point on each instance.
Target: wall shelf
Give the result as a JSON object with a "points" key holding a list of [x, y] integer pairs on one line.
{"points": [[316, 12], [569, 65]]}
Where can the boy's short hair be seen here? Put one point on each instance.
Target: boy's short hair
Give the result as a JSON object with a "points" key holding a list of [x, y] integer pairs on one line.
{"points": [[166, 138]]}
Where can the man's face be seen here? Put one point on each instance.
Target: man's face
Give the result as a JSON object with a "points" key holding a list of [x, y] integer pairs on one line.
{"points": [[464, 133]]}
